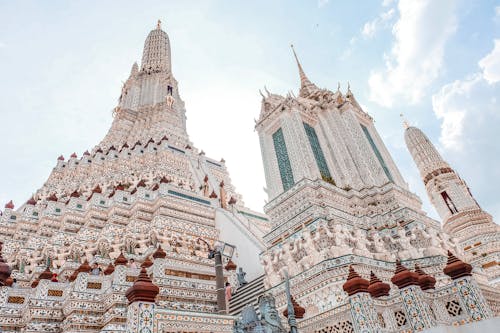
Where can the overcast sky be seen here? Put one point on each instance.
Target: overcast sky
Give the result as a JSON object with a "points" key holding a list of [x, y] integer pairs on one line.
{"points": [[62, 64]]}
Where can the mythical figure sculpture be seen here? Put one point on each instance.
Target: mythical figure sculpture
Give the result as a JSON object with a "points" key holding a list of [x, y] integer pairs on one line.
{"points": [[269, 315], [429, 236], [248, 322], [324, 241], [291, 264], [378, 245], [308, 252], [361, 243], [406, 250], [340, 241], [271, 277], [240, 275], [269, 321]]}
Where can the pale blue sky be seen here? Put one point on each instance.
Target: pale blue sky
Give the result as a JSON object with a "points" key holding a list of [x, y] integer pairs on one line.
{"points": [[62, 64]]}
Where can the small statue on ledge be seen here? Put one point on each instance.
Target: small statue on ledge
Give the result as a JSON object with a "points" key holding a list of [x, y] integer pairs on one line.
{"points": [[240, 275]]}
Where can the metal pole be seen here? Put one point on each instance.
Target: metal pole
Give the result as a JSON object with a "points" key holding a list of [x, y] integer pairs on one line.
{"points": [[219, 283], [292, 322]]}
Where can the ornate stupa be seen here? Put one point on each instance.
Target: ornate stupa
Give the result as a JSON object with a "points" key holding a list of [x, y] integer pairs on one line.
{"points": [[145, 233], [143, 192], [337, 199]]}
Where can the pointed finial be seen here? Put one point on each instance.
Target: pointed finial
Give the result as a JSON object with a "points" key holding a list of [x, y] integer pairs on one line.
{"points": [[158, 24], [349, 92], [306, 86], [338, 86], [405, 123], [301, 71], [267, 91]]}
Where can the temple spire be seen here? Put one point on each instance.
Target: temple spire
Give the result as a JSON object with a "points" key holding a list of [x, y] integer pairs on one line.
{"points": [[156, 54], [306, 86]]}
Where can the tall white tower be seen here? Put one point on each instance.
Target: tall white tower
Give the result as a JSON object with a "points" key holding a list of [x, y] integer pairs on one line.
{"points": [[336, 197], [462, 216], [325, 164], [321, 135], [150, 103], [449, 194]]}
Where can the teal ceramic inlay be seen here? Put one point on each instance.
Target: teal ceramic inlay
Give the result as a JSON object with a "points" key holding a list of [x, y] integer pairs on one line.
{"points": [[283, 160], [318, 152], [377, 153]]}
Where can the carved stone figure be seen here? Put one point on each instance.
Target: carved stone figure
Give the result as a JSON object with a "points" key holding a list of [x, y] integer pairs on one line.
{"points": [[269, 321], [435, 243], [406, 249], [361, 243], [342, 248], [272, 277], [240, 275], [378, 244], [270, 318], [325, 241]]}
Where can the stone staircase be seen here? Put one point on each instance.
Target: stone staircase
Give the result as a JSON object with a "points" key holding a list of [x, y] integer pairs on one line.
{"points": [[248, 294]]}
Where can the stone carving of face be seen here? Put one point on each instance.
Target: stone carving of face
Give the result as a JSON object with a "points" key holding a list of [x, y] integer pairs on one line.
{"points": [[268, 310]]}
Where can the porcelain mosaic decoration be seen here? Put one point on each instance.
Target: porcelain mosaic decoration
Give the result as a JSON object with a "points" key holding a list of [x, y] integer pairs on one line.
{"points": [[340, 221]]}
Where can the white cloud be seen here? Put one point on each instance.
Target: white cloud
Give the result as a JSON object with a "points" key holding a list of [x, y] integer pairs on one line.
{"points": [[417, 53], [387, 3], [448, 105], [322, 3], [371, 27], [490, 64], [347, 52], [468, 109], [456, 102]]}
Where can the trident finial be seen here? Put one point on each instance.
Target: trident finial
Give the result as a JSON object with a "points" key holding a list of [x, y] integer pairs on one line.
{"points": [[338, 86], [405, 123], [158, 25]]}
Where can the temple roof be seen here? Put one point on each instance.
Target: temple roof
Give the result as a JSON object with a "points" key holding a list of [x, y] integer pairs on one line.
{"points": [[355, 283], [456, 268], [403, 277], [377, 288], [143, 289]]}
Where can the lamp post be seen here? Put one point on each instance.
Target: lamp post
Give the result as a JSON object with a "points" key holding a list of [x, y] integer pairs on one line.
{"points": [[220, 250]]}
